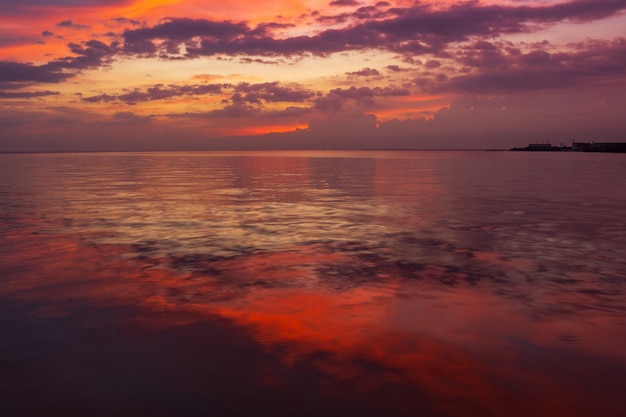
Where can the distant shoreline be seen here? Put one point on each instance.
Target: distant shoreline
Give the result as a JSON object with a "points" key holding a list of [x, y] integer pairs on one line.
{"points": [[616, 147]]}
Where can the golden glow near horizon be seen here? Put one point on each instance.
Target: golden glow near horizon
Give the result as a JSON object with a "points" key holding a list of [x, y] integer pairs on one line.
{"points": [[274, 66]]}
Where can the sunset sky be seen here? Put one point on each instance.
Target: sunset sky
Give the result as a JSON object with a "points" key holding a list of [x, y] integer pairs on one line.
{"points": [[191, 74]]}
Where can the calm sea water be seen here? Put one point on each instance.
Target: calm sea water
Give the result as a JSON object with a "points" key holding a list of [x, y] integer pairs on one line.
{"points": [[313, 284]]}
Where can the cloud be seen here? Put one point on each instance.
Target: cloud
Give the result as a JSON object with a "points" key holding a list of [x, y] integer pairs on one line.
{"points": [[479, 123], [594, 113], [26, 94], [176, 32], [582, 10], [397, 68], [500, 71], [106, 98], [64, 3], [365, 72], [288, 112], [417, 29], [126, 117], [71, 25], [44, 6], [334, 100], [15, 72], [432, 64], [247, 60], [157, 92], [91, 54], [47, 33], [124, 20], [272, 92], [248, 115], [344, 3]]}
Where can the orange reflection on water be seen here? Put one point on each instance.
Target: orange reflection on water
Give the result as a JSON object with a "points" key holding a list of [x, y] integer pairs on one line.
{"points": [[464, 351], [450, 351], [353, 328]]}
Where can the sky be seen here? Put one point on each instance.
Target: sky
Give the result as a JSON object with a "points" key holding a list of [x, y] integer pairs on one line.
{"points": [[103, 75]]}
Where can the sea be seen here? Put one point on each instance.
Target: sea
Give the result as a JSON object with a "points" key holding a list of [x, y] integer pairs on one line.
{"points": [[313, 283]]}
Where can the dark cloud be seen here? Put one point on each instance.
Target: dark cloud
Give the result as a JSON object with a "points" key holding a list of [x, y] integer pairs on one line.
{"points": [[15, 72], [100, 98], [43, 6], [333, 101], [499, 71], [288, 112], [247, 60], [465, 19], [71, 25], [358, 93], [481, 54], [126, 117], [344, 3], [237, 109], [365, 72], [90, 54], [333, 19], [46, 33], [377, 11], [27, 94], [157, 92], [582, 10], [272, 92], [273, 25], [432, 64], [178, 31], [368, 12], [397, 68], [240, 109], [64, 3], [418, 29], [124, 21], [87, 55]]}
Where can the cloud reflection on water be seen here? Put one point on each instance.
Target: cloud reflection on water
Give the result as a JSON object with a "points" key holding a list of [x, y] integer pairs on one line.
{"points": [[305, 300]]}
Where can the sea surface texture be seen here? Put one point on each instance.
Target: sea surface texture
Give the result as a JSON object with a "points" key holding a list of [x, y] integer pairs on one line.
{"points": [[392, 283]]}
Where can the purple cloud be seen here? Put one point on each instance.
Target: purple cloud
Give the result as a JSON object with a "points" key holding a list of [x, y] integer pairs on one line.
{"points": [[31, 6], [178, 31], [91, 54], [15, 72], [69, 24], [500, 71], [247, 60], [397, 68], [129, 118], [239, 108], [106, 98], [432, 64], [125, 21], [26, 94], [344, 3], [271, 92], [333, 101], [157, 92], [365, 72], [418, 29]]}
